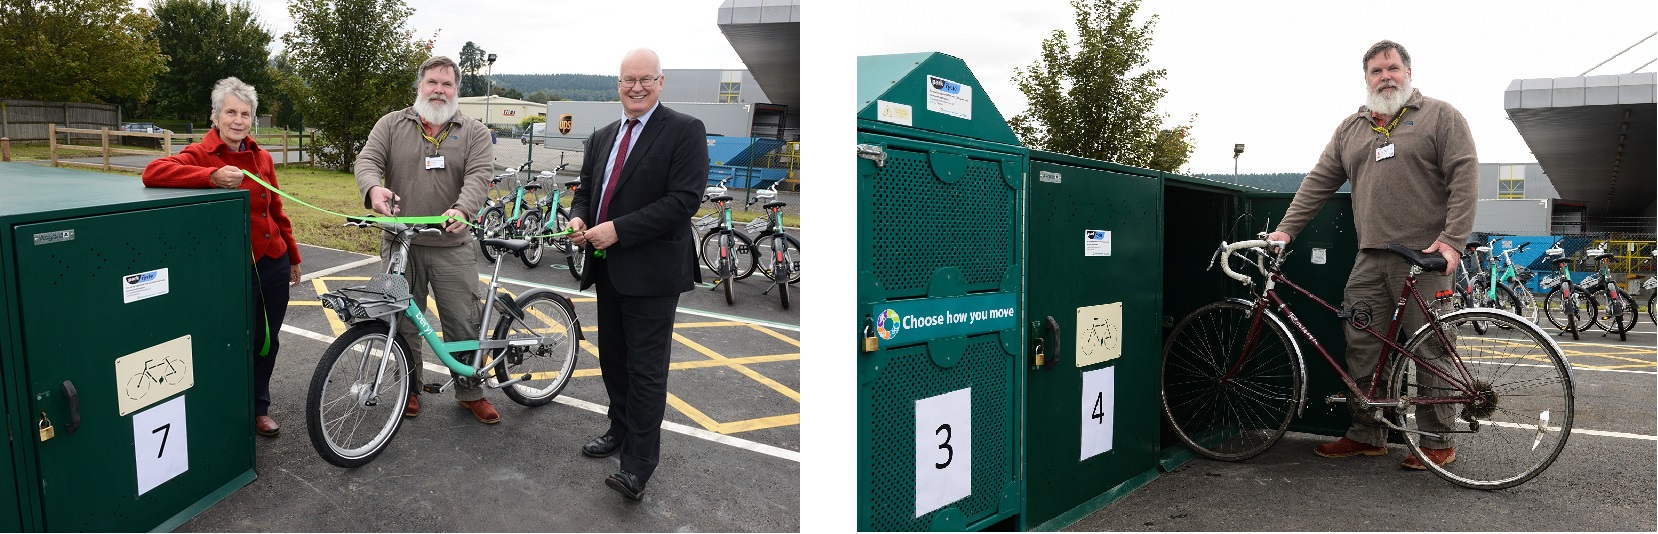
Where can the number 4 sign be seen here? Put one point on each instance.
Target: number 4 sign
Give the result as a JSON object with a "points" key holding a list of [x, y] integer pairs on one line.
{"points": [[943, 450], [1098, 410]]}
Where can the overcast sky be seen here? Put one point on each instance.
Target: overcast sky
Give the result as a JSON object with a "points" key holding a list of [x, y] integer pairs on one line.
{"points": [[1278, 76], [559, 37]]}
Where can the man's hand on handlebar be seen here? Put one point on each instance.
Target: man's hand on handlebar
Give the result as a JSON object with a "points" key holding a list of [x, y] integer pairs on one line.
{"points": [[1279, 236]]}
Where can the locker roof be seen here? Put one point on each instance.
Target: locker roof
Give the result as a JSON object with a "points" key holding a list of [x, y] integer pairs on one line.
{"points": [[930, 91]]}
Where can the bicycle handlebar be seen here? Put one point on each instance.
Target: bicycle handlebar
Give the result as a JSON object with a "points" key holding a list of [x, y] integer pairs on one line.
{"points": [[1227, 250]]}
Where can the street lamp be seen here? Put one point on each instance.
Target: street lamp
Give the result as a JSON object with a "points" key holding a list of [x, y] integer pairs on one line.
{"points": [[488, 95], [1237, 150]]}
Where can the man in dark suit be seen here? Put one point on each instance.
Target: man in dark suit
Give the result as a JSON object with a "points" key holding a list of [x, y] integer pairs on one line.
{"points": [[641, 179]]}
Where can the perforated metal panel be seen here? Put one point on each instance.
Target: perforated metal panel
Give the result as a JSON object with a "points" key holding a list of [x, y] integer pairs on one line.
{"points": [[922, 224], [911, 374]]}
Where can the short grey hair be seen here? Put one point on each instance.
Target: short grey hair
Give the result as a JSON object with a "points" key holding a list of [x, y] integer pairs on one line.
{"points": [[640, 51], [1383, 46], [233, 86], [437, 61]]}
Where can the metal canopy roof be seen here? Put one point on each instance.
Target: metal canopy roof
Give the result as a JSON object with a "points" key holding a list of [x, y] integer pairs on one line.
{"points": [[766, 36], [1593, 136]]}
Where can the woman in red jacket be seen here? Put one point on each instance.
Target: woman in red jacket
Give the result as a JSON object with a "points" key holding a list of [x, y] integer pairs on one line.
{"points": [[218, 161]]}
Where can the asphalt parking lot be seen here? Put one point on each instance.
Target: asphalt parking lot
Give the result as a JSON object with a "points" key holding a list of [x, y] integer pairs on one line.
{"points": [[1603, 480], [730, 446]]}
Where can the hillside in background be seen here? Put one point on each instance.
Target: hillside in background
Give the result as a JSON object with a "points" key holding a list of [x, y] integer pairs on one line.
{"points": [[591, 87], [1283, 182]]}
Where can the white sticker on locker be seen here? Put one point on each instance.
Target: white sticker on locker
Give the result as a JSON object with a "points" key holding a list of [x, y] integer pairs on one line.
{"points": [[943, 450], [161, 444]]}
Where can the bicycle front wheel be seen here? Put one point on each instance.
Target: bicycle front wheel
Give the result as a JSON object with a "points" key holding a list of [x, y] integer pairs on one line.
{"points": [[561, 220], [1517, 420], [1223, 403], [545, 367], [357, 395], [1526, 301], [577, 260], [494, 225], [741, 252], [531, 225]]}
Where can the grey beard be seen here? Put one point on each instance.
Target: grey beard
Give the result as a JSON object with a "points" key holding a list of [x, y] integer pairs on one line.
{"points": [[438, 115], [1387, 105]]}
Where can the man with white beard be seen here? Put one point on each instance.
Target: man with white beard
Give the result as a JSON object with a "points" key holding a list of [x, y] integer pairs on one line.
{"points": [[433, 160], [1415, 179]]}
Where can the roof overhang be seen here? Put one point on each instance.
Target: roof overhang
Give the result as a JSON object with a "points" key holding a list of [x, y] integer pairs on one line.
{"points": [[766, 36], [1593, 136]]}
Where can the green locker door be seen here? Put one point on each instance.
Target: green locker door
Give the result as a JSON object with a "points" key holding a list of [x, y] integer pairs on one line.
{"points": [[1094, 267], [145, 314], [1320, 260], [938, 256]]}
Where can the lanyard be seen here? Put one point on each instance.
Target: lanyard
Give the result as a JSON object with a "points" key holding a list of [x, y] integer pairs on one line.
{"points": [[438, 142], [1385, 131]]}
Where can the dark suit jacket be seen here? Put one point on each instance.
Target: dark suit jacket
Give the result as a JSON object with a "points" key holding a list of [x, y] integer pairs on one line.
{"points": [[659, 190]]}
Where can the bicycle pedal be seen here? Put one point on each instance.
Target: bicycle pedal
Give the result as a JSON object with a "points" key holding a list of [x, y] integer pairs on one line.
{"points": [[1335, 399], [432, 388]]}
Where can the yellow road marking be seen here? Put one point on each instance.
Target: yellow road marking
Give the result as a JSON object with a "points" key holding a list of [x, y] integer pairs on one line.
{"points": [[773, 333], [757, 377], [735, 426]]}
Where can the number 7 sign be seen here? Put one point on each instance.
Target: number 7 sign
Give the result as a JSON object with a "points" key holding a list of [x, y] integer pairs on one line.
{"points": [[160, 444], [943, 450]]}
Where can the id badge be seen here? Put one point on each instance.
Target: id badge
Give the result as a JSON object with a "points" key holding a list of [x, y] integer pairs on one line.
{"points": [[436, 162], [1381, 153]]}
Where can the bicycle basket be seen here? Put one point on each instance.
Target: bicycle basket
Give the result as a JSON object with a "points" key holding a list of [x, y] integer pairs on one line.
{"points": [[1549, 281], [1589, 281], [758, 224], [384, 295], [1650, 283], [1523, 274], [706, 222]]}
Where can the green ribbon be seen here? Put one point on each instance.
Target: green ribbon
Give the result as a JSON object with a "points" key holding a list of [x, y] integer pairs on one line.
{"points": [[430, 219]]}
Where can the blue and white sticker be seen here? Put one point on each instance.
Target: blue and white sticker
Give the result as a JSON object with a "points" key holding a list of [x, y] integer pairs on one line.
{"points": [[140, 286], [1096, 243], [950, 98]]}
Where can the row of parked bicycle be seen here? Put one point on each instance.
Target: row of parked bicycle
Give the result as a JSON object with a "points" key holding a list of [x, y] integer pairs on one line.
{"points": [[1572, 307], [522, 212]]}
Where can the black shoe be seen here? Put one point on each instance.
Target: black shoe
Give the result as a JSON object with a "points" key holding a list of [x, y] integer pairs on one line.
{"points": [[627, 485], [602, 446]]}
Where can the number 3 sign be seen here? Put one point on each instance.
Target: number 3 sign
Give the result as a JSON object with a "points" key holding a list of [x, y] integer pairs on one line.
{"points": [[943, 450]]}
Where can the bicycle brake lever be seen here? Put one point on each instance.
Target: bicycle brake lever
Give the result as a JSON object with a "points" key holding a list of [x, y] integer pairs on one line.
{"points": [[1213, 259]]}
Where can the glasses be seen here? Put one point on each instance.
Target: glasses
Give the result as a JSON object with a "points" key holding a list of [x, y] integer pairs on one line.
{"points": [[648, 81]]}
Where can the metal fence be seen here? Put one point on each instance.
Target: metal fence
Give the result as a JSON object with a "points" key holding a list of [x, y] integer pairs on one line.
{"points": [[30, 120]]}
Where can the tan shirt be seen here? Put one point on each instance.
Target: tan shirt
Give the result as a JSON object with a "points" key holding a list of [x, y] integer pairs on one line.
{"points": [[1425, 191], [395, 156]]}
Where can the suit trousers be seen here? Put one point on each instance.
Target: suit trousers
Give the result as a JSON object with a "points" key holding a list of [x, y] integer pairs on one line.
{"points": [[1376, 280], [270, 307], [635, 333], [450, 276]]}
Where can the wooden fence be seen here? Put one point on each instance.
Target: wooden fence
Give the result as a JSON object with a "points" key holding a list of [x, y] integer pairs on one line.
{"points": [[31, 120], [102, 135]]}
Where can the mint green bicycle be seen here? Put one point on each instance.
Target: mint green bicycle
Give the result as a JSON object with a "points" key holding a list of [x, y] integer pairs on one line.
{"points": [[526, 347]]}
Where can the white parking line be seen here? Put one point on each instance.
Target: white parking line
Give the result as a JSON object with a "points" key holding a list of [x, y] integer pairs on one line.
{"points": [[600, 409], [709, 314]]}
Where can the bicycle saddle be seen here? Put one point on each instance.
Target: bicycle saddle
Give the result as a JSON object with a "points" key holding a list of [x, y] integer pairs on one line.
{"points": [[572, 183], [517, 246], [720, 198], [770, 205], [532, 186], [1430, 262]]}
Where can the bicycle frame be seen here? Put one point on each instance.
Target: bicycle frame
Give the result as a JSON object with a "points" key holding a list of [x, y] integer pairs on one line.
{"points": [[1268, 298]]}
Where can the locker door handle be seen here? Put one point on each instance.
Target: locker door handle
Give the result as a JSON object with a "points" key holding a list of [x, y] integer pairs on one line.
{"points": [[74, 407], [1053, 333]]}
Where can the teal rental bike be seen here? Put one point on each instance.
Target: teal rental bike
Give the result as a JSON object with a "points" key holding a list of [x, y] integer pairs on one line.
{"points": [[526, 347], [524, 220]]}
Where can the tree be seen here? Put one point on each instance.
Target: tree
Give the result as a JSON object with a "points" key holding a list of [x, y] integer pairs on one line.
{"points": [[205, 41], [354, 62], [472, 61], [77, 50], [543, 96], [525, 124], [1098, 102], [508, 92], [1173, 147]]}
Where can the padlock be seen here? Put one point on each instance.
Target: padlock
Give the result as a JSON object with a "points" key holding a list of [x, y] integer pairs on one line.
{"points": [[46, 430], [870, 344], [1041, 357]]}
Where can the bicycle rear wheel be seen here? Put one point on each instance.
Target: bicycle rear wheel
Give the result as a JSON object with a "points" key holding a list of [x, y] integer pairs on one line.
{"points": [[577, 260], [1582, 309], [1527, 302], [545, 367], [1618, 315], [741, 252], [494, 225], [351, 420], [531, 225], [766, 254], [1223, 409], [1523, 413]]}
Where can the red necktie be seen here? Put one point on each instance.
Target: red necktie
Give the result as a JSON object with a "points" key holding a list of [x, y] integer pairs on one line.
{"points": [[615, 171]]}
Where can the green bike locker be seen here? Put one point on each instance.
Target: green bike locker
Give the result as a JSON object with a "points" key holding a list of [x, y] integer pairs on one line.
{"points": [[1197, 215], [1093, 309], [127, 324], [939, 361]]}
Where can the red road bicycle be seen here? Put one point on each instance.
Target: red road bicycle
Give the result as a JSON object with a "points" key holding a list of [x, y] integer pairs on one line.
{"points": [[1233, 377]]}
